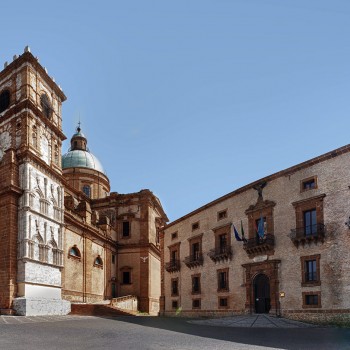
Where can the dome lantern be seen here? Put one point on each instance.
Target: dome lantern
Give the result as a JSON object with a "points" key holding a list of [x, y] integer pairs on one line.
{"points": [[78, 140]]}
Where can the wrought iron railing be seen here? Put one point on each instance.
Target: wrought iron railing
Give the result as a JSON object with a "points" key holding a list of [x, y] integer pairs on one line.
{"points": [[172, 265], [311, 276], [267, 239], [311, 231], [194, 260], [220, 253]]}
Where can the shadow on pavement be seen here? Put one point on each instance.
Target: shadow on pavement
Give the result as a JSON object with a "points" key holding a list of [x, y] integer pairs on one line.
{"points": [[285, 338]]}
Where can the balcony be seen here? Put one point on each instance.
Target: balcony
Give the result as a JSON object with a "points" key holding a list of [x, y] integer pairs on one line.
{"points": [[172, 266], [258, 246], [193, 260], [221, 253], [308, 234]]}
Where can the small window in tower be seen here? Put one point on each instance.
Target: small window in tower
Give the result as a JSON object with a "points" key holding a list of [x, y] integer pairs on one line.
{"points": [[87, 190], [113, 258], [46, 106], [4, 100], [126, 229]]}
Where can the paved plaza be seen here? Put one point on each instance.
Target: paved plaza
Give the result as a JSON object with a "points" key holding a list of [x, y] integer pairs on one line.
{"points": [[254, 321], [166, 333]]}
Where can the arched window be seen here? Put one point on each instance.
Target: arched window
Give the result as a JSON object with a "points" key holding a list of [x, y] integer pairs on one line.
{"points": [[75, 252], [4, 100], [87, 190], [98, 261], [46, 105]]}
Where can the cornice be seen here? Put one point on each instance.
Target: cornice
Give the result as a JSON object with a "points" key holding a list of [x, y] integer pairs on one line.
{"points": [[286, 172], [26, 155], [27, 57], [305, 200], [86, 228]]}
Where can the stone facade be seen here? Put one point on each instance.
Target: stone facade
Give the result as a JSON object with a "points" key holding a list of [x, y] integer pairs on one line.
{"points": [[299, 266], [65, 236]]}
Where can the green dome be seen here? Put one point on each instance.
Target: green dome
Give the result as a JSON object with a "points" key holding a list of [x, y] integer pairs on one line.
{"points": [[81, 159]]}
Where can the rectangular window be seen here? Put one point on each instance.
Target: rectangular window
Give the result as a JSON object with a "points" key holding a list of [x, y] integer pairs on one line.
{"points": [[309, 184], [174, 286], [222, 214], [196, 304], [195, 248], [311, 299], [310, 223], [174, 304], [126, 277], [223, 302], [174, 235], [258, 224], [195, 226], [223, 243], [223, 280], [196, 284], [310, 269], [113, 259], [173, 256], [126, 228]]}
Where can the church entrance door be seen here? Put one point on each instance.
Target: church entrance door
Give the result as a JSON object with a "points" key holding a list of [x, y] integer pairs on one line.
{"points": [[262, 294]]}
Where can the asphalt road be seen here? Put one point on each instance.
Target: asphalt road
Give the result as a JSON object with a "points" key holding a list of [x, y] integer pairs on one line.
{"points": [[157, 333]]}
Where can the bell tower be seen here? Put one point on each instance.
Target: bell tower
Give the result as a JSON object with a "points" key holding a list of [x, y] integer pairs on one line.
{"points": [[31, 189]]}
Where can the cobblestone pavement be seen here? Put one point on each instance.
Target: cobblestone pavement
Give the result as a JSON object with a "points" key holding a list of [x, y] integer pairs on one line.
{"points": [[13, 320], [254, 321]]}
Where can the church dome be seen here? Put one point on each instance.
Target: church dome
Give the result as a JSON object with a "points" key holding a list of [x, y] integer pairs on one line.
{"points": [[81, 159], [79, 156]]}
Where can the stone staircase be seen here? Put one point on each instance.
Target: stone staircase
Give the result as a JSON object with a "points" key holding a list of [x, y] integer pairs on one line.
{"points": [[99, 310]]}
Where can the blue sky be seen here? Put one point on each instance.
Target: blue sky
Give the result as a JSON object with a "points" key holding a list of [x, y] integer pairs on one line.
{"points": [[193, 99]]}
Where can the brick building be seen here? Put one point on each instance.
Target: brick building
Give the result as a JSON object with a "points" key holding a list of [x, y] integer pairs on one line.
{"points": [[65, 237], [294, 257]]}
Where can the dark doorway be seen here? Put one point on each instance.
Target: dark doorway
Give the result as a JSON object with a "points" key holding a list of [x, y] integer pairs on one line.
{"points": [[262, 294], [114, 290]]}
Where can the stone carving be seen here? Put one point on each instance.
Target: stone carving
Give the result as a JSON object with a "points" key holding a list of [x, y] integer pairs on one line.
{"points": [[259, 187]]}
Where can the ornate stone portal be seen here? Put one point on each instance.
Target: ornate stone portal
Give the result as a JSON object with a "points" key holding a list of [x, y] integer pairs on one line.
{"points": [[269, 268]]}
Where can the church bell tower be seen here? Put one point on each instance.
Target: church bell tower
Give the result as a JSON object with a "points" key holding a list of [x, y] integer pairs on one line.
{"points": [[31, 189]]}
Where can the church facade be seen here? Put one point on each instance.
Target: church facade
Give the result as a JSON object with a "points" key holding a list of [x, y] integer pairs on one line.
{"points": [[280, 245], [65, 237]]}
